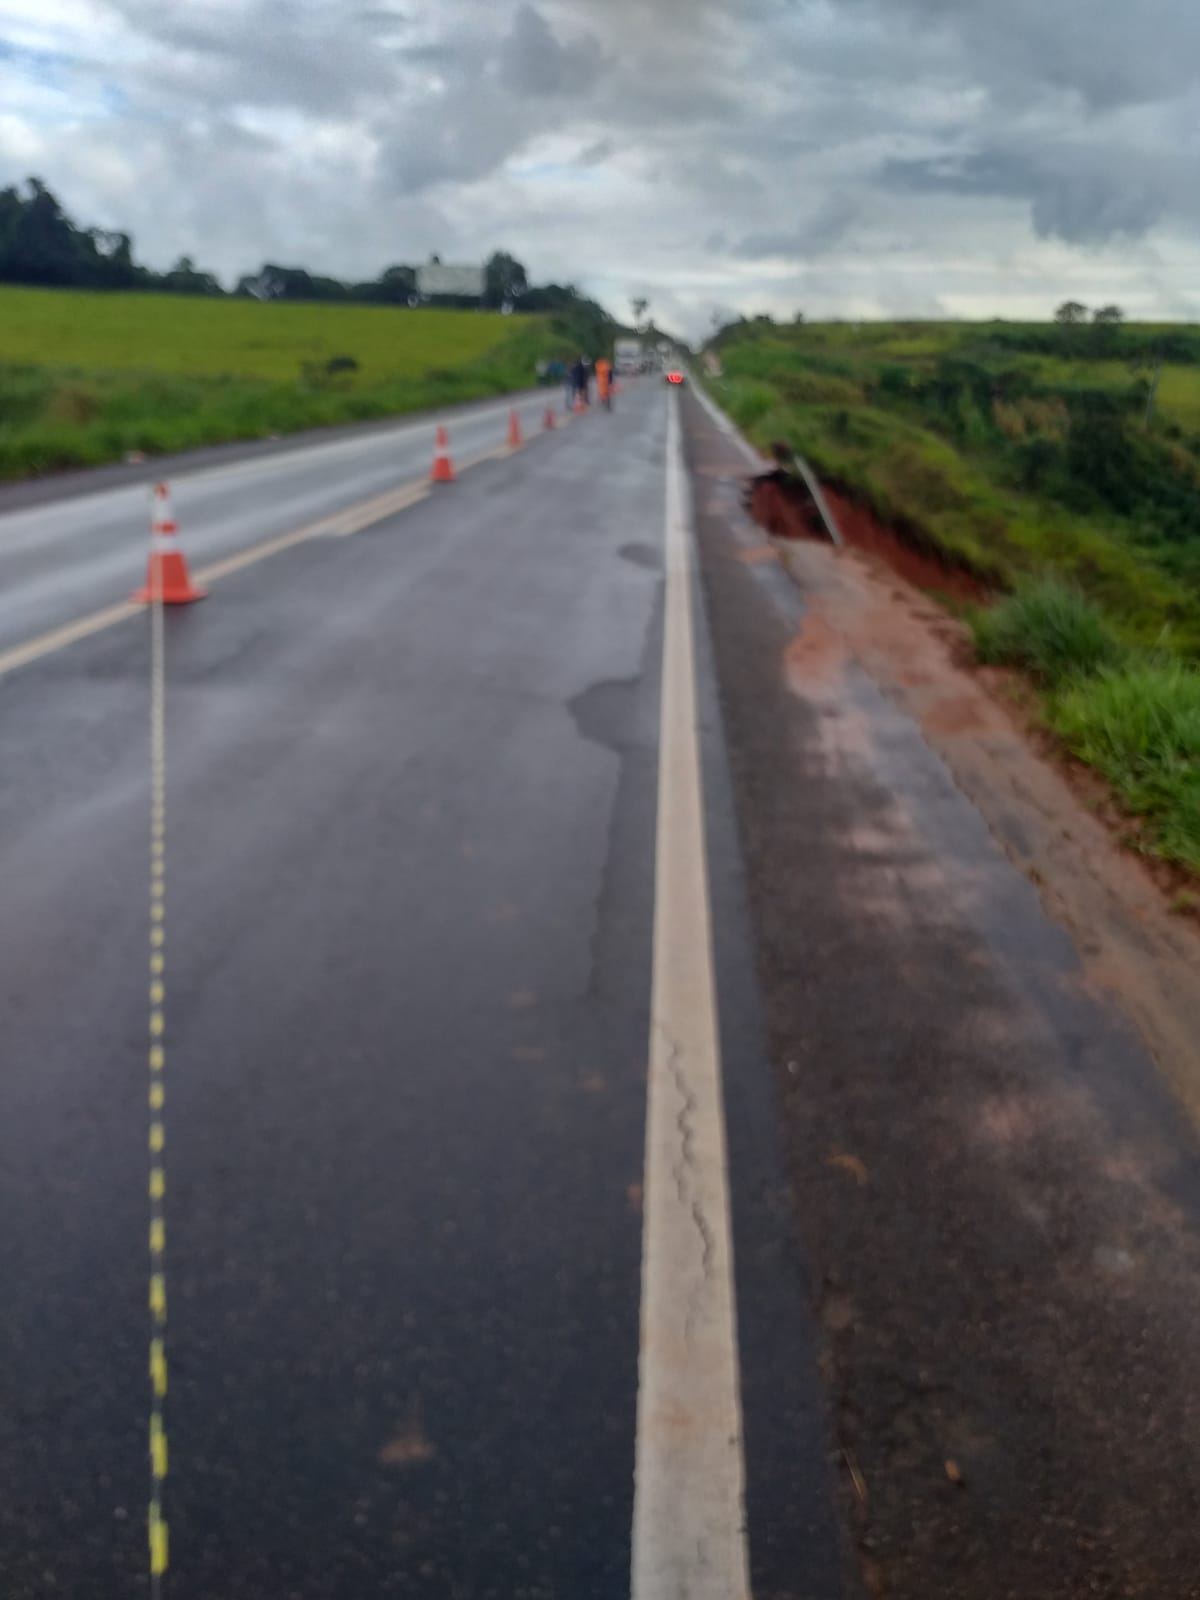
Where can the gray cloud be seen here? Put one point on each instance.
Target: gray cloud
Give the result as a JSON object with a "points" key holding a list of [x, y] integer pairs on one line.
{"points": [[826, 226], [534, 61], [273, 53], [1107, 52], [1075, 193], [719, 151]]}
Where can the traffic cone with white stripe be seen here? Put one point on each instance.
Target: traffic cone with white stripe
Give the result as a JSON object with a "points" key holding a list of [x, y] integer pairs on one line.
{"points": [[167, 577], [443, 467], [514, 430], [549, 423]]}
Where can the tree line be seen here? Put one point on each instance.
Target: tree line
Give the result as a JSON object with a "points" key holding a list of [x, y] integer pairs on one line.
{"points": [[42, 246]]}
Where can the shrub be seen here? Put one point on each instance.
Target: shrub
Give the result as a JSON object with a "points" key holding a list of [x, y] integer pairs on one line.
{"points": [[1050, 629]]}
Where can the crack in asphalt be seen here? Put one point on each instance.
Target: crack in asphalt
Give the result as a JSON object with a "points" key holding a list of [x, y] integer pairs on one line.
{"points": [[680, 1168]]}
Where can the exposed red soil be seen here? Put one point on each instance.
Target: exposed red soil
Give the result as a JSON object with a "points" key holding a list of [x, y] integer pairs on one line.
{"points": [[785, 509]]}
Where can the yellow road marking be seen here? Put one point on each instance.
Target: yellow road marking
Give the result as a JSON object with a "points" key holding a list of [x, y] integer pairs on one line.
{"points": [[158, 1367], [373, 511], [156, 1525], [158, 1447], [340, 524], [58, 638], [158, 1542]]}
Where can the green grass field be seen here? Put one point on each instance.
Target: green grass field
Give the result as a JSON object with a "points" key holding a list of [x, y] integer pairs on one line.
{"points": [[90, 377], [240, 338], [1023, 452]]}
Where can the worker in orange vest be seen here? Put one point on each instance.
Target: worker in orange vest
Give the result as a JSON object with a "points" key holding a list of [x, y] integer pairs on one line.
{"points": [[604, 382]]}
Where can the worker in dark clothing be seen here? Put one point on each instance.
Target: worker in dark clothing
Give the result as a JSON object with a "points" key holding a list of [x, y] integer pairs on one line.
{"points": [[579, 381]]}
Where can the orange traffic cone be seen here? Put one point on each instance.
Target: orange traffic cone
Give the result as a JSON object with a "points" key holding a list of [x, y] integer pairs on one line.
{"points": [[443, 467], [549, 423], [514, 431], [580, 405], [166, 572]]}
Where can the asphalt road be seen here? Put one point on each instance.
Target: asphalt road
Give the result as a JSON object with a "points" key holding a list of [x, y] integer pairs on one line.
{"points": [[413, 868], [82, 549], [612, 1073]]}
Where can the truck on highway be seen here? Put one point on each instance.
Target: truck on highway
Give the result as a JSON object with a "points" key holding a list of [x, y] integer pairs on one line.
{"points": [[627, 357]]}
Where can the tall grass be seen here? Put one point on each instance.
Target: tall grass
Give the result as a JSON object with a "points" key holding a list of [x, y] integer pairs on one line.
{"points": [[1140, 726], [1054, 632]]}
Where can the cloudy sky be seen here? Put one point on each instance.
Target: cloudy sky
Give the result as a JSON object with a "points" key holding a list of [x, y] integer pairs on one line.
{"points": [[847, 157]]}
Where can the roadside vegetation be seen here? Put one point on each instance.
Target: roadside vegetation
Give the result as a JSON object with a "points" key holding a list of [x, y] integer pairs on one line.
{"points": [[101, 357], [1061, 463], [87, 378], [1132, 713]]}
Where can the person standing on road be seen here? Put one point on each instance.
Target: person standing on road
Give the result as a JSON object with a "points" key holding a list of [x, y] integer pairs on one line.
{"points": [[604, 382], [579, 380]]}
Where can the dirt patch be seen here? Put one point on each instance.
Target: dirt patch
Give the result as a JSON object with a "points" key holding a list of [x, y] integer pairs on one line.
{"points": [[816, 655], [1131, 919], [783, 506], [757, 555]]}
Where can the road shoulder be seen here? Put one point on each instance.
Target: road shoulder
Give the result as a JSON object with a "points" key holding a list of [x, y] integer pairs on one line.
{"points": [[995, 1188]]}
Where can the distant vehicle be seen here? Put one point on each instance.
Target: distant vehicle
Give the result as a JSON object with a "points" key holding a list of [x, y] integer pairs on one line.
{"points": [[675, 376], [627, 357]]}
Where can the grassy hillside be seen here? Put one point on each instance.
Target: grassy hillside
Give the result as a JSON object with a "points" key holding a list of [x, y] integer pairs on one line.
{"points": [[89, 377], [1024, 451], [1018, 448]]}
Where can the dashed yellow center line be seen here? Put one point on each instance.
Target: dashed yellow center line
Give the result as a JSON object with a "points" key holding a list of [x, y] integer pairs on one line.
{"points": [[156, 1522]]}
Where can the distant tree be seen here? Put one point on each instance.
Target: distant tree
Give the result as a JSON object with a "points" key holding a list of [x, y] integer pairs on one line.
{"points": [[639, 305], [1071, 312], [186, 278], [40, 244], [551, 297], [114, 264], [504, 280], [265, 284], [1108, 316], [396, 285], [274, 282]]}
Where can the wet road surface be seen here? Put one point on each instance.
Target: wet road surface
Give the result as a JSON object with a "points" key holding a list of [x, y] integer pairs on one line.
{"points": [[420, 1328], [411, 822], [62, 556], [998, 1196]]}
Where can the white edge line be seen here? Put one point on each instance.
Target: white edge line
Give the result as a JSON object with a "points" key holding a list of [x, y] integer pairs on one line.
{"points": [[689, 1518], [727, 426]]}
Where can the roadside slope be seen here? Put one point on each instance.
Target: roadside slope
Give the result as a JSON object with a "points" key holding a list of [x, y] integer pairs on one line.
{"points": [[999, 1192]]}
